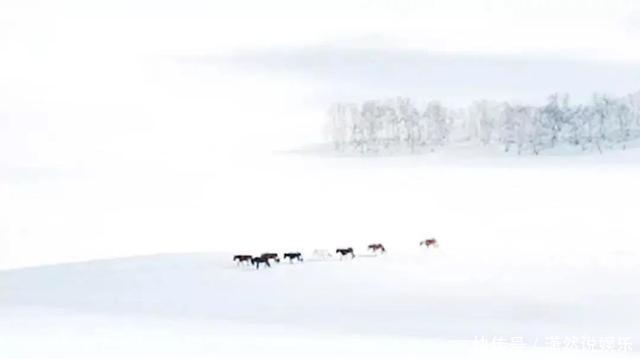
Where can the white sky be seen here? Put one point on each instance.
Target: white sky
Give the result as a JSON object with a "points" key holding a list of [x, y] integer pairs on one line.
{"points": [[118, 86]]}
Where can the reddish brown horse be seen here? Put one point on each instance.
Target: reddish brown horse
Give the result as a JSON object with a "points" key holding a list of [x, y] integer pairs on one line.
{"points": [[377, 247], [430, 243]]}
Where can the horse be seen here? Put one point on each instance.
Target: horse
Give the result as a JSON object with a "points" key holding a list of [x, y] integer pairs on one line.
{"points": [[292, 256], [377, 247], [258, 260], [273, 256], [344, 251], [321, 253], [242, 258], [430, 243]]}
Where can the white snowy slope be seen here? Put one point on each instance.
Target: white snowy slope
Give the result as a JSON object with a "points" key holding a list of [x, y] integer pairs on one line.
{"points": [[539, 257], [445, 303]]}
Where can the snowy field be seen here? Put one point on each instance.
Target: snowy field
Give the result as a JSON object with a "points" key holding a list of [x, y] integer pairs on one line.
{"points": [[198, 305], [144, 143], [440, 303], [539, 257]]}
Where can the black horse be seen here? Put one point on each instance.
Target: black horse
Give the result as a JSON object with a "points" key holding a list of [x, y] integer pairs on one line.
{"points": [[242, 258], [258, 260], [344, 251], [273, 256], [292, 256]]}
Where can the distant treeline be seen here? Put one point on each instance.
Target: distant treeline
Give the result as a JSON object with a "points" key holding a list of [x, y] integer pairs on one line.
{"points": [[401, 124]]}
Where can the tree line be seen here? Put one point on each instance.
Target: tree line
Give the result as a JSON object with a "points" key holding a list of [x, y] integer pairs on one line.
{"points": [[403, 124]]}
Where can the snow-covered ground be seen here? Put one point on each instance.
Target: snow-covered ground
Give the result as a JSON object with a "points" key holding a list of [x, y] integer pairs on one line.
{"points": [[411, 304], [539, 257]]}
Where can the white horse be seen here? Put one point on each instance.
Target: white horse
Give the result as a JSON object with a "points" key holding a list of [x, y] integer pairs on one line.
{"points": [[321, 254]]}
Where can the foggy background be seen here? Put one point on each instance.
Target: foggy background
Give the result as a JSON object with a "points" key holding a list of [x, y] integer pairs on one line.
{"points": [[134, 127]]}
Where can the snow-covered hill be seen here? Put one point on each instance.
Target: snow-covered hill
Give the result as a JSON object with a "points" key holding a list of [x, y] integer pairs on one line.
{"points": [[539, 257], [417, 303]]}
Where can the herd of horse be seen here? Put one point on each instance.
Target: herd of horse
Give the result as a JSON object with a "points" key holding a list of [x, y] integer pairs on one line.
{"points": [[264, 258]]}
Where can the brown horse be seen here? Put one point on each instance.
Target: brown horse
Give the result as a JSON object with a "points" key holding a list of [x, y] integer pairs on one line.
{"points": [[242, 258], [268, 256], [377, 247], [430, 243]]}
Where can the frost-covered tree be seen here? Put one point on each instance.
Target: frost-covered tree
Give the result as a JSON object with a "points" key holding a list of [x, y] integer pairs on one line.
{"points": [[486, 115], [436, 122], [398, 123], [339, 126]]}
